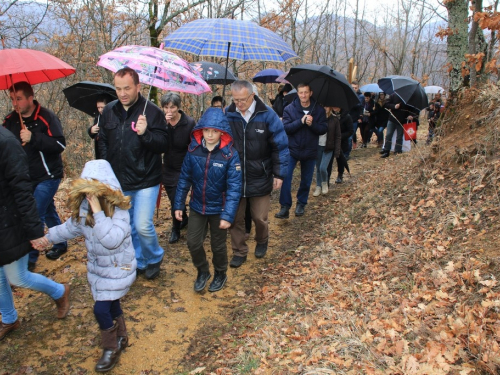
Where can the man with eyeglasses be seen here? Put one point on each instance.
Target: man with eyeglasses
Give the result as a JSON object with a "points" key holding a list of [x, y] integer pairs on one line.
{"points": [[260, 139]]}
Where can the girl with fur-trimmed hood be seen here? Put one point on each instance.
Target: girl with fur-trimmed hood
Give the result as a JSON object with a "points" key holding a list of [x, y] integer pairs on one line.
{"points": [[99, 212]]}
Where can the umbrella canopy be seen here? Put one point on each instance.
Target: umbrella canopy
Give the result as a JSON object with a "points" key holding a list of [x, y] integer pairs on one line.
{"points": [[156, 67], [433, 89], [84, 95], [233, 39], [32, 66], [213, 73], [330, 88], [371, 87], [409, 90], [290, 97], [267, 75]]}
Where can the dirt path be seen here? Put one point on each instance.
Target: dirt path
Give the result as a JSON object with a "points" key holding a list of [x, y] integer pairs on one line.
{"points": [[164, 316]]}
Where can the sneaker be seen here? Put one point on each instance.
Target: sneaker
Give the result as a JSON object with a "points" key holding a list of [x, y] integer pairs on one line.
{"points": [[7, 328], [317, 192], [299, 210], [284, 213], [153, 270], [324, 188], [237, 261], [261, 250], [218, 281], [55, 253], [201, 281]]}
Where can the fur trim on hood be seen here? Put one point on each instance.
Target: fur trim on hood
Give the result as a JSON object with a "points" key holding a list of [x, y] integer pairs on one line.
{"points": [[81, 187]]}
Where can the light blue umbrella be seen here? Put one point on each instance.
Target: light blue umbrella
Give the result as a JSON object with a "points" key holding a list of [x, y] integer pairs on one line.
{"points": [[232, 39], [371, 87]]}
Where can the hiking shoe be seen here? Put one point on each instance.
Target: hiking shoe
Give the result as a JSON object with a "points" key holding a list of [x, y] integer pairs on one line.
{"points": [[55, 253], [218, 281], [201, 281], [317, 192], [153, 270], [339, 179], [237, 261], [299, 210], [284, 213], [261, 250], [7, 328]]}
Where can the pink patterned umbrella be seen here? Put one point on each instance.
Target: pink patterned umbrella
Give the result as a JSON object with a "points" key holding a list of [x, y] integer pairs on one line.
{"points": [[156, 67]]}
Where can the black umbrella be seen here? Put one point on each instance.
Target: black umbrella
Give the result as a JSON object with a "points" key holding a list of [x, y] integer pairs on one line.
{"points": [[214, 73], [84, 95], [330, 88], [410, 91]]}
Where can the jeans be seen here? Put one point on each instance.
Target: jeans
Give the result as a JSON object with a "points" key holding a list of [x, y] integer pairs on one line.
{"points": [[44, 196], [107, 311], [306, 176], [379, 131], [322, 164], [147, 249], [17, 274], [391, 128]]}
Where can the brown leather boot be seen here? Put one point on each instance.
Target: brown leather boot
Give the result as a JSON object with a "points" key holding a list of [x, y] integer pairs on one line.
{"points": [[63, 303], [110, 351], [6, 328], [121, 333]]}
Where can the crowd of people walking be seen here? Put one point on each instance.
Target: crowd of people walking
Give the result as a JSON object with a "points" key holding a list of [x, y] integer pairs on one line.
{"points": [[228, 162]]}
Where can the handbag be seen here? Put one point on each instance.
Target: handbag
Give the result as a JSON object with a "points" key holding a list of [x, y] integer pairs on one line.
{"points": [[410, 129]]}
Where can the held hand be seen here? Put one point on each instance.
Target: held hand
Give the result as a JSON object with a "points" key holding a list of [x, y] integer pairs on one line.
{"points": [[224, 224], [178, 215], [25, 135], [94, 129], [410, 118], [141, 125], [277, 183], [309, 120], [40, 244], [94, 203], [397, 106]]}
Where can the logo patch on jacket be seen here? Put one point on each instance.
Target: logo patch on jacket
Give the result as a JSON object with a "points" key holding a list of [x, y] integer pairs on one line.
{"points": [[237, 166], [220, 165], [260, 131]]}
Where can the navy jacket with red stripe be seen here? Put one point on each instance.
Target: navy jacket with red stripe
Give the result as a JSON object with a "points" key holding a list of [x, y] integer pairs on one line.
{"points": [[46, 144]]}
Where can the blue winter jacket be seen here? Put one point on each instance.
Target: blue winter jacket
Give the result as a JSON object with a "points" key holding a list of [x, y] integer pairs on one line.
{"points": [[303, 139], [263, 148], [214, 176]]}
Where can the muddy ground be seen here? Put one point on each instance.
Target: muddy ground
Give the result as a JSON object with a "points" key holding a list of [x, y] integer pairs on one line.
{"points": [[165, 316]]}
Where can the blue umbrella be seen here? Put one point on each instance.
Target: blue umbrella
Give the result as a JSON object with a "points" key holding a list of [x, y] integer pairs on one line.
{"points": [[371, 87], [232, 39], [267, 76]]}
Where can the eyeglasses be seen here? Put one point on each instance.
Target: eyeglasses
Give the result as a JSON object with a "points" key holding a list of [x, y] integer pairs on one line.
{"points": [[241, 101]]}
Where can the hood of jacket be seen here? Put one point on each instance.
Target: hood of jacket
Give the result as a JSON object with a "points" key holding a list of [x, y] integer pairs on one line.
{"points": [[213, 118], [98, 179]]}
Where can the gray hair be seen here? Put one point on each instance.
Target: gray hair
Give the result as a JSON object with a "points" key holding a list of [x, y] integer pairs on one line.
{"points": [[171, 97], [241, 84]]}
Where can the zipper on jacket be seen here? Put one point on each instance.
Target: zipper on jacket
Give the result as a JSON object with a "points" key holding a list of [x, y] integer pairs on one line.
{"points": [[205, 180], [245, 149]]}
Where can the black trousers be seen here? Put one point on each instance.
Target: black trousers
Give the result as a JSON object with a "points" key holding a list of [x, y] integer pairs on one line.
{"points": [[197, 232], [171, 191]]}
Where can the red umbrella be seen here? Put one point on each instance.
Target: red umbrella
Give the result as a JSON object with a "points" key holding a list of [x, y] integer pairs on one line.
{"points": [[17, 65], [32, 66]]}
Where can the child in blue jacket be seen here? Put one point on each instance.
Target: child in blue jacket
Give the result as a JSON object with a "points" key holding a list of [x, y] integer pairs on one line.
{"points": [[212, 170]]}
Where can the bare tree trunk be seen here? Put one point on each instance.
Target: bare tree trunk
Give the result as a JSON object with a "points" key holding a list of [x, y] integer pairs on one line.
{"points": [[457, 44]]}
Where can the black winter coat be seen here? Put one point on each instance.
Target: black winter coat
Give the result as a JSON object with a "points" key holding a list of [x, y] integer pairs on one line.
{"points": [[179, 138], [136, 159], [402, 112], [46, 144], [381, 116], [95, 137], [19, 221], [333, 135], [346, 129]]}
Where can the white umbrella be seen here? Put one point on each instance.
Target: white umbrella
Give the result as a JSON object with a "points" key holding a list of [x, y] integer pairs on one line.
{"points": [[433, 89]]}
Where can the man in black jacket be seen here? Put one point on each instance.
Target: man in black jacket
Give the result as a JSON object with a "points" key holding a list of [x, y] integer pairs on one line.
{"points": [[43, 141], [133, 144]]}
